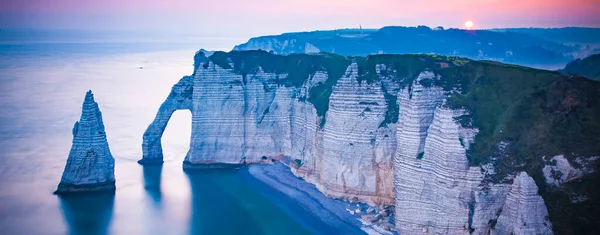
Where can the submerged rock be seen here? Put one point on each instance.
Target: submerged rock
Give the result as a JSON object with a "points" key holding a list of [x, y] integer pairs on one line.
{"points": [[90, 166]]}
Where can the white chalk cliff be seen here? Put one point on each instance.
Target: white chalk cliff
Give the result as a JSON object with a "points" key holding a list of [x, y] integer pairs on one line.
{"points": [[90, 166], [278, 45], [436, 191], [523, 210], [179, 98], [418, 163]]}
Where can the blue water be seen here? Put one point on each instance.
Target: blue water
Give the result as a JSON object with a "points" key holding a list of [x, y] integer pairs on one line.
{"points": [[42, 85]]}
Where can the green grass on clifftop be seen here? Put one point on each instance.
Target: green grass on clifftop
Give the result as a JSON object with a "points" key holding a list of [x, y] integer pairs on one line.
{"points": [[537, 112], [298, 67], [401, 69], [588, 67]]}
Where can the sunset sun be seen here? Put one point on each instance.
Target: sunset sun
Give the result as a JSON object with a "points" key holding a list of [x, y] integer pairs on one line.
{"points": [[469, 24]]}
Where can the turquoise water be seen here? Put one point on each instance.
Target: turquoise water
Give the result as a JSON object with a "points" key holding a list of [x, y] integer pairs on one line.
{"points": [[222, 202], [42, 86]]}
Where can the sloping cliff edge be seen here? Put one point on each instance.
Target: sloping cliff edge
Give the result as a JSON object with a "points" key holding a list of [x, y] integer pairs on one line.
{"points": [[458, 146]]}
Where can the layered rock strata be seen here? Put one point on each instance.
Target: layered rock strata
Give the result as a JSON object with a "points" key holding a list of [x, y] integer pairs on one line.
{"points": [[354, 151], [524, 211], [244, 119], [179, 98], [278, 46], [90, 166], [434, 183], [437, 192]]}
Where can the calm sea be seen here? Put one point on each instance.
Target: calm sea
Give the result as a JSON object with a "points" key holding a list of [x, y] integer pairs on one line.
{"points": [[43, 81]]}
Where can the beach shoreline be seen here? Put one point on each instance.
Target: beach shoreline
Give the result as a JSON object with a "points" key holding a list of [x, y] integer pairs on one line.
{"points": [[343, 217]]}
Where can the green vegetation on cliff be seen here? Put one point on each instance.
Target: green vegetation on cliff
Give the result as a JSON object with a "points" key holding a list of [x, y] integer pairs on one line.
{"points": [[522, 114], [536, 112], [588, 67], [516, 105], [297, 67], [400, 69]]}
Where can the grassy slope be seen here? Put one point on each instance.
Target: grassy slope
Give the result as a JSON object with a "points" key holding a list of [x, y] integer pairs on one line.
{"points": [[537, 112], [560, 35], [587, 67]]}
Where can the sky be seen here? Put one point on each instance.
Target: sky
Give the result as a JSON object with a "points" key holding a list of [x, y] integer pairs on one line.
{"points": [[233, 18]]}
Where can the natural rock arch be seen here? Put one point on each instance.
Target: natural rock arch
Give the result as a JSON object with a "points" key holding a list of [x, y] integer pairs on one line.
{"points": [[180, 98]]}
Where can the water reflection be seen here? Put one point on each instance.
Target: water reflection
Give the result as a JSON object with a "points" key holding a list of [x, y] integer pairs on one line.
{"points": [[214, 209], [88, 213], [152, 175]]}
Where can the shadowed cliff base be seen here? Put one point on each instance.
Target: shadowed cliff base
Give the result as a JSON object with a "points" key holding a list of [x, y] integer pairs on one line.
{"points": [[88, 213], [211, 165], [64, 188], [151, 161]]}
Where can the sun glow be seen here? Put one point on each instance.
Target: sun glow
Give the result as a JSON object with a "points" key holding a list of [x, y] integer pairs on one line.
{"points": [[469, 24]]}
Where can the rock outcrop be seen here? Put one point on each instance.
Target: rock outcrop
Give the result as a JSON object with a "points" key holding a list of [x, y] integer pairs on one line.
{"points": [[434, 183], [179, 98], [90, 166], [382, 130], [278, 45], [588, 67], [524, 211], [560, 171]]}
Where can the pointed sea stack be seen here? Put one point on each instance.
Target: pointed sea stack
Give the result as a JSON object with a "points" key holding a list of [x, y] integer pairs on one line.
{"points": [[90, 166]]}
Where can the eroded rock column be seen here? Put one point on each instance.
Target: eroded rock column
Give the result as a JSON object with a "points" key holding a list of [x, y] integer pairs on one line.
{"points": [[351, 165], [524, 211], [90, 166]]}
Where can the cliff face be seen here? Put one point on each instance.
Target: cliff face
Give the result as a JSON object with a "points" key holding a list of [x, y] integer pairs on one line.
{"points": [[243, 119], [278, 45], [384, 129], [90, 166], [436, 190]]}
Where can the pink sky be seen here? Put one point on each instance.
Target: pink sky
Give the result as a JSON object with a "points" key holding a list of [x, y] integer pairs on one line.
{"points": [[276, 16]]}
